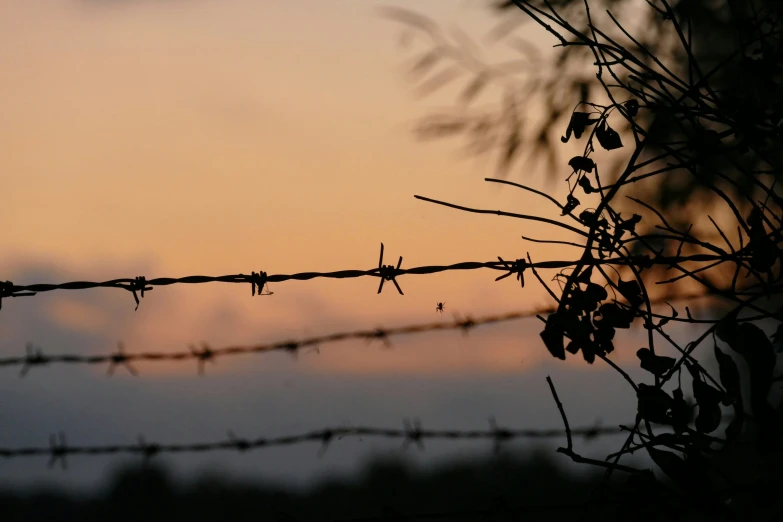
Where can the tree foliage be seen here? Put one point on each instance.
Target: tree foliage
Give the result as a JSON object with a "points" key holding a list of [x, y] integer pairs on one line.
{"points": [[690, 112]]}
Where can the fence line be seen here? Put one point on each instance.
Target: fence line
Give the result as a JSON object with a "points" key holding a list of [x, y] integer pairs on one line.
{"points": [[35, 356], [411, 433], [259, 280]]}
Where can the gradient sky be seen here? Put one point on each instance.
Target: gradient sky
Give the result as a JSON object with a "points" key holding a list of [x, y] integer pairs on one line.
{"points": [[210, 137], [141, 137]]}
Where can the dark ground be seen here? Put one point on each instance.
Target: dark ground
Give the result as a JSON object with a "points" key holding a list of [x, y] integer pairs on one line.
{"points": [[499, 488]]}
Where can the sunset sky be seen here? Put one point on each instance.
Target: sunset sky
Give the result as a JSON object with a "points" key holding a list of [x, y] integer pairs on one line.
{"points": [[208, 137]]}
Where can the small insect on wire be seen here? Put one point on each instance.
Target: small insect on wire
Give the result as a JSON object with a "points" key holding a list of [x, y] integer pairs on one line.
{"points": [[439, 308]]}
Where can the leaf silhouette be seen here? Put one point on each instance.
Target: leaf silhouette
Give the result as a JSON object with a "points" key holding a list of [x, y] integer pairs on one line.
{"points": [[587, 217], [752, 343], [571, 204], [581, 163], [726, 329], [709, 417], [631, 107], [613, 315], [586, 185], [630, 225], [654, 404], [729, 376], [594, 294], [655, 364], [553, 336], [765, 251], [706, 394], [682, 413], [603, 337], [608, 137], [579, 121], [672, 465], [631, 291]]}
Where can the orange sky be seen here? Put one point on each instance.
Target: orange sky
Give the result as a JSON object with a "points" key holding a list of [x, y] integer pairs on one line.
{"points": [[164, 139], [167, 139]]}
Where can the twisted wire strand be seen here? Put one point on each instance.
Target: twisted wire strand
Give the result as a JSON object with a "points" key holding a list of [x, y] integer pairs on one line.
{"points": [[411, 433], [35, 357], [259, 280]]}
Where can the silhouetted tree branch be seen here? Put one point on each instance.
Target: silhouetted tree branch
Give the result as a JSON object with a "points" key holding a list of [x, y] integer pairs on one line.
{"points": [[686, 124]]}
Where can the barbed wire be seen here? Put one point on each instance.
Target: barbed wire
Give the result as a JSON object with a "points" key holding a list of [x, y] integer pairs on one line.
{"points": [[34, 357], [260, 280], [411, 433]]}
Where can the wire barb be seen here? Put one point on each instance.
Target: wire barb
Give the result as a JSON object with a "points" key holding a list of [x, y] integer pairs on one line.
{"points": [[58, 449], [413, 434], [292, 347], [388, 273], [259, 280], [465, 324], [7, 290], [326, 437], [517, 267], [139, 286], [501, 435], [203, 356], [147, 450], [33, 357], [382, 334], [120, 358], [241, 445]]}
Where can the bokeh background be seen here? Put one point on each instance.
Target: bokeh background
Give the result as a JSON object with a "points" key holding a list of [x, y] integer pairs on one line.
{"points": [[142, 137]]}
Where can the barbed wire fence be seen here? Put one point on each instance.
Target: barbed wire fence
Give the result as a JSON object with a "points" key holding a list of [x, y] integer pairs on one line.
{"points": [[411, 433], [259, 281], [587, 313], [35, 356]]}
